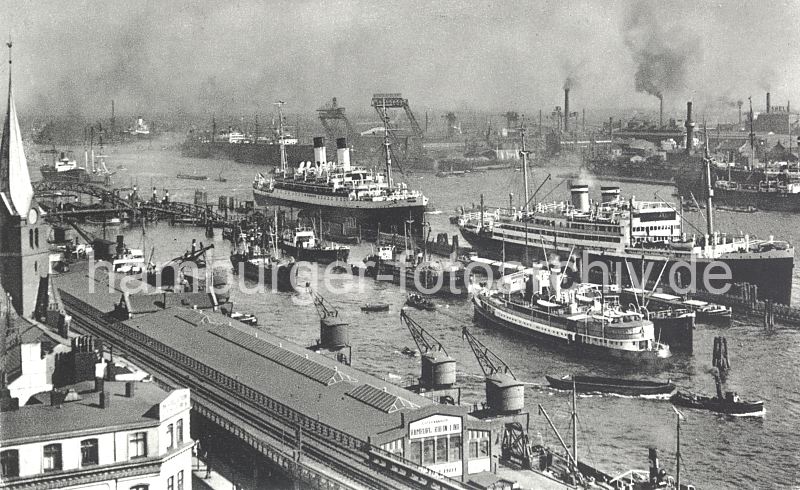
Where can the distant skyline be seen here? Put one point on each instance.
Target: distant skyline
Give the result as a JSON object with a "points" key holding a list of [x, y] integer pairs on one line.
{"points": [[238, 57]]}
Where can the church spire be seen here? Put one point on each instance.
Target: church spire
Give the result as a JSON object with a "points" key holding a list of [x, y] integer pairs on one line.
{"points": [[15, 181]]}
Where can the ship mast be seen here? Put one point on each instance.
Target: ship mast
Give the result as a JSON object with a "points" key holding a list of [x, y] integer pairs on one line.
{"points": [[752, 138], [524, 154], [709, 189], [281, 141], [574, 428], [386, 146]]}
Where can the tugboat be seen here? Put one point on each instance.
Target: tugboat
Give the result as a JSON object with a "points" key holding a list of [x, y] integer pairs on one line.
{"points": [[429, 277], [339, 189], [263, 265], [729, 404], [532, 303], [302, 244]]}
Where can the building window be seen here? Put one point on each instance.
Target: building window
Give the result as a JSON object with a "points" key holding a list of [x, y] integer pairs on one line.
{"points": [[137, 445], [455, 448], [473, 449], [36, 237], [171, 483], [441, 450], [428, 447], [30, 238], [89, 452], [9, 460], [415, 452], [179, 431], [484, 448], [170, 437], [52, 457], [180, 480]]}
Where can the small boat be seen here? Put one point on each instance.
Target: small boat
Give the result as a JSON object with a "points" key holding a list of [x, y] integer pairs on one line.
{"points": [[192, 177], [375, 307], [245, 318], [738, 209], [730, 404], [407, 351], [419, 302], [617, 386]]}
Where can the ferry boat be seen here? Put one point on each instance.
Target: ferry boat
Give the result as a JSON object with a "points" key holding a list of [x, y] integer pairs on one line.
{"points": [[339, 190], [303, 244], [532, 303]]}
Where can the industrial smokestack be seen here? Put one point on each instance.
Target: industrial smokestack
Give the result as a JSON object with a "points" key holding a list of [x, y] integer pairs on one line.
{"points": [[660, 111], [319, 150], [566, 109], [689, 127], [343, 153], [768, 103], [739, 103]]}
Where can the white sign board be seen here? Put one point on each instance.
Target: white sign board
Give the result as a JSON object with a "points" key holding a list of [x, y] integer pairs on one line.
{"points": [[435, 425]]}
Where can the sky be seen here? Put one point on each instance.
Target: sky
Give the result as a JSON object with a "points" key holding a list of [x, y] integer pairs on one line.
{"points": [[203, 57]]}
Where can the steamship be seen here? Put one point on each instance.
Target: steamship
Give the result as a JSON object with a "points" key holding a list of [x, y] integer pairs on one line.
{"points": [[536, 306], [338, 190], [632, 236]]}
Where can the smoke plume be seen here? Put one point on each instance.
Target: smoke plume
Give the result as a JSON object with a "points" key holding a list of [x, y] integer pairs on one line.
{"points": [[663, 52]]}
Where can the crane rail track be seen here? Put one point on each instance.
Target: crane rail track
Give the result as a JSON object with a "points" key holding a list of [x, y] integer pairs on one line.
{"points": [[350, 457]]}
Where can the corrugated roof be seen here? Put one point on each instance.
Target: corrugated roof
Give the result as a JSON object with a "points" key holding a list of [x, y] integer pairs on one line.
{"points": [[380, 399], [300, 364], [192, 317]]}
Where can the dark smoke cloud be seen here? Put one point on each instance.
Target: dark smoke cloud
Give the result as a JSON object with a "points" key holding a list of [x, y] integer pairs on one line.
{"points": [[237, 58], [663, 52]]}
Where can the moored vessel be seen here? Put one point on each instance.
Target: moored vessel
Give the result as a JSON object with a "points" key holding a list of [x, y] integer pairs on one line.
{"points": [[303, 244], [617, 386]]}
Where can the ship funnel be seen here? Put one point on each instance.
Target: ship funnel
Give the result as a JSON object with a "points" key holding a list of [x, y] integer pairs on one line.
{"points": [[609, 193], [343, 153], [555, 276], [319, 150], [580, 197], [689, 127]]}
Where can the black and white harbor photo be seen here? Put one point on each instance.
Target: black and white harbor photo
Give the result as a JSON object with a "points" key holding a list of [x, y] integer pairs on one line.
{"points": [[349, 244]]}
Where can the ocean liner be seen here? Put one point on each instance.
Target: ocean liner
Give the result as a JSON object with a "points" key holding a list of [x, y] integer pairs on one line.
{"points": [[628, 235], [338, 190]]}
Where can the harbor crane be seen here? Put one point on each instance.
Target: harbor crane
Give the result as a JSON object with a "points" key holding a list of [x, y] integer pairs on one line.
{"points": [[426, 343], [333, 119], [491, 364], [504, 393], [334, 334]]}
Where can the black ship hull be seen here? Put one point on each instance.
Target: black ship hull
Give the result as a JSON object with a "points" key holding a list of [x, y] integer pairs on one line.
{"points": [[676, 331], [422, 279], [714, 404], [617, 386], [319, 255], [74, 175], [257, 154], [576, 347], [771, 273], [279, 276], [390, 218]]}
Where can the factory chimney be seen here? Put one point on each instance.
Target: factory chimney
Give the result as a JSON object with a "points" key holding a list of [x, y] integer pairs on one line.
{"points": [[566, 109], [660, 111], [689, 127], [739, 103], [768, 109]]}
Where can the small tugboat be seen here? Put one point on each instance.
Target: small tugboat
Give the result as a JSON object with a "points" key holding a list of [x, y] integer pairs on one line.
{"points": [[729, 404], [617, 386], [419, 302], [263, 265], [302, 244], [374, 307]]}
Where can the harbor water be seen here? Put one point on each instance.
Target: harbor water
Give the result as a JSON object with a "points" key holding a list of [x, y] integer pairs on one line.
{"points": [[613, 432]]}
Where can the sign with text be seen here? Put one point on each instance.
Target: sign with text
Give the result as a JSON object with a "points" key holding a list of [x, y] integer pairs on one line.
{"points": [[435, 425]]}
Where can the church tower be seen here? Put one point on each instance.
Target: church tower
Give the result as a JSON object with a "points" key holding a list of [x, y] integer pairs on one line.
{"points": [[24, 252]]}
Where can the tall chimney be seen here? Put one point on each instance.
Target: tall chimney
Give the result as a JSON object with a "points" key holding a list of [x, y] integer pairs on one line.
{"points": [[660, 111], [689, 127], [768, 109], [566, 110], [319, 150], [740, 111]]}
